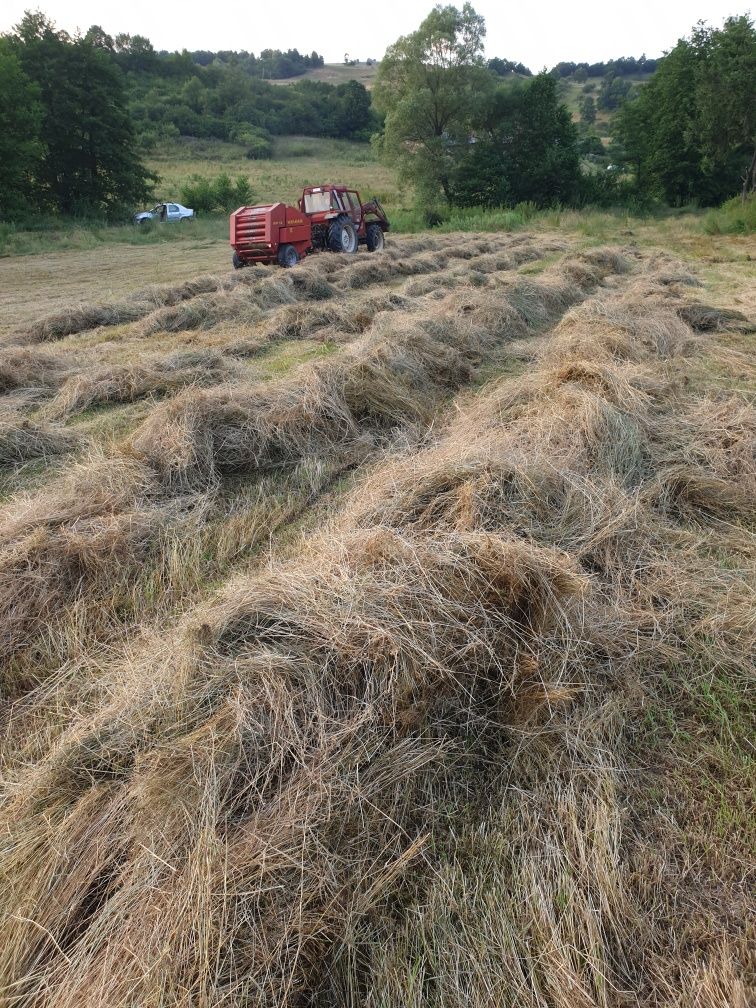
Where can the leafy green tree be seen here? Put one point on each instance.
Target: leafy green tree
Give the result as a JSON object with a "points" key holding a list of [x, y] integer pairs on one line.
{"points": [[526, 149], [612, 92], [588, 110], [21, 146], [206, 195], [352, 113], [428, 87], [631, 140], [726, 97], [90, 164], [691, 132]]}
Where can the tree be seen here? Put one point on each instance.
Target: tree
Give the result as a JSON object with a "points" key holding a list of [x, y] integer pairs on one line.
{"points": [[588, 110], [631, 141], [725, 92], [352, 114], [613, 91], [505, 68], [90, 165], [97, 36], [526, 149], [21, 146], [691, 132], [428, 87]]}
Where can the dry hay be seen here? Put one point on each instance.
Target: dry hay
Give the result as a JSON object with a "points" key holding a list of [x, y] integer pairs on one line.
{"points": [[347, 316], [265, 284], [100, 514], [706, 318], [389, 380], [81, 318], [22, 439], [391, 376], [199, 436], [308, 283], [127, 382], [204, 312], [337, 683], [245, 304], [447, 681], [27, 367]]}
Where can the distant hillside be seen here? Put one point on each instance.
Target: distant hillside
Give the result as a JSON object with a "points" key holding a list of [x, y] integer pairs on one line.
{"points": [[572, 92], [337, 73]]}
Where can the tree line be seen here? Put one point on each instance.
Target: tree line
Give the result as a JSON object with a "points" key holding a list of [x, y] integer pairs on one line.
{"points": [[624, 66], [464, 136], [271, 64], [77, 114], [689, 135]]}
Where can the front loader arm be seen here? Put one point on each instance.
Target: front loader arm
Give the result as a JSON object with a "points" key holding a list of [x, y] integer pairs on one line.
{"points": [[374, 209]]}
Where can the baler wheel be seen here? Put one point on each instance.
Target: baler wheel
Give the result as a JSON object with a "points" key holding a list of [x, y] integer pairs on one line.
{"points": [[374, 238], [288, 256], [237, 261], [342, 237]]}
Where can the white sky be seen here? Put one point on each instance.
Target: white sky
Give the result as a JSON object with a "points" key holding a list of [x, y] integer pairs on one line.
{"points": [[539, 33]]}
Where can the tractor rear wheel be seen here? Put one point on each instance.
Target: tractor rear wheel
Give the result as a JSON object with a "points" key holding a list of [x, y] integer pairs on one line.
{"points": [[288, 256], [237, 261], [374, 238], [342, 237]]}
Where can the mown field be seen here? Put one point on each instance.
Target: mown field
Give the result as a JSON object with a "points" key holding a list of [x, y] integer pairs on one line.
{"points": [[379, 632]]}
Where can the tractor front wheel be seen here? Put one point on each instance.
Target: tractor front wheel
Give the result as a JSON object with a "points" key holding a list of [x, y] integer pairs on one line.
{"points": [[342, 237], [374, 238], [288, 256]]}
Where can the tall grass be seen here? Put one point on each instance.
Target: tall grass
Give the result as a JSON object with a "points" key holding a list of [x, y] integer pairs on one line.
{"points": [[736, 216], [40, 237]]}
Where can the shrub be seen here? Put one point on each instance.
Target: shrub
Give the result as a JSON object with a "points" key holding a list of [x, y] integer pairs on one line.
{"points": [[221, 193], [198, 194], [257, 142]]}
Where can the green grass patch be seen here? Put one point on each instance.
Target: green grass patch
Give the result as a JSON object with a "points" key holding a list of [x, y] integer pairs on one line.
{"points": [[58, 235], [284, 356], [736, 216]]}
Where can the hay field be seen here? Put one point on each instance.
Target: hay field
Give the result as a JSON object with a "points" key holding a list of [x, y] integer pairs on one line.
{"points": [[379, 633], [297, 161]]}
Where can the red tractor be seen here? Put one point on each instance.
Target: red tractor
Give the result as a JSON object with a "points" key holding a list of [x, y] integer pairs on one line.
{"points": [[328, 217]]}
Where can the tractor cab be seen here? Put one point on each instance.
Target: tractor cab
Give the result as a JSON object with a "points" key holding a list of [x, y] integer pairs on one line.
{"points": [[322, 203], [341, 221]]}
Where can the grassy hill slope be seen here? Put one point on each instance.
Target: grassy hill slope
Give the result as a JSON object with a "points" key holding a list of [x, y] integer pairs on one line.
{"points": [[337, 73]]}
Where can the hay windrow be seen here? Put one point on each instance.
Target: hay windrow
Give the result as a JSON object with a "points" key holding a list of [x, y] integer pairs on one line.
{"points": [[392, 376], [29, 368], [128, 382], [81, 318], [22, 439], [374, 724]]}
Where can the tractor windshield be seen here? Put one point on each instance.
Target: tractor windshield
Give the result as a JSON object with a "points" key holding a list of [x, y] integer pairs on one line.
{"points": [[317, 202]]}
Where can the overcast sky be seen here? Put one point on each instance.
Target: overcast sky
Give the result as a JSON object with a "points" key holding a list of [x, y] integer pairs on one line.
{"points": [[538, 33]]}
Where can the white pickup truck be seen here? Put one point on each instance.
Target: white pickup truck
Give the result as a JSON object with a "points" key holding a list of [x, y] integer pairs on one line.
{"points": [[165, 212]]}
